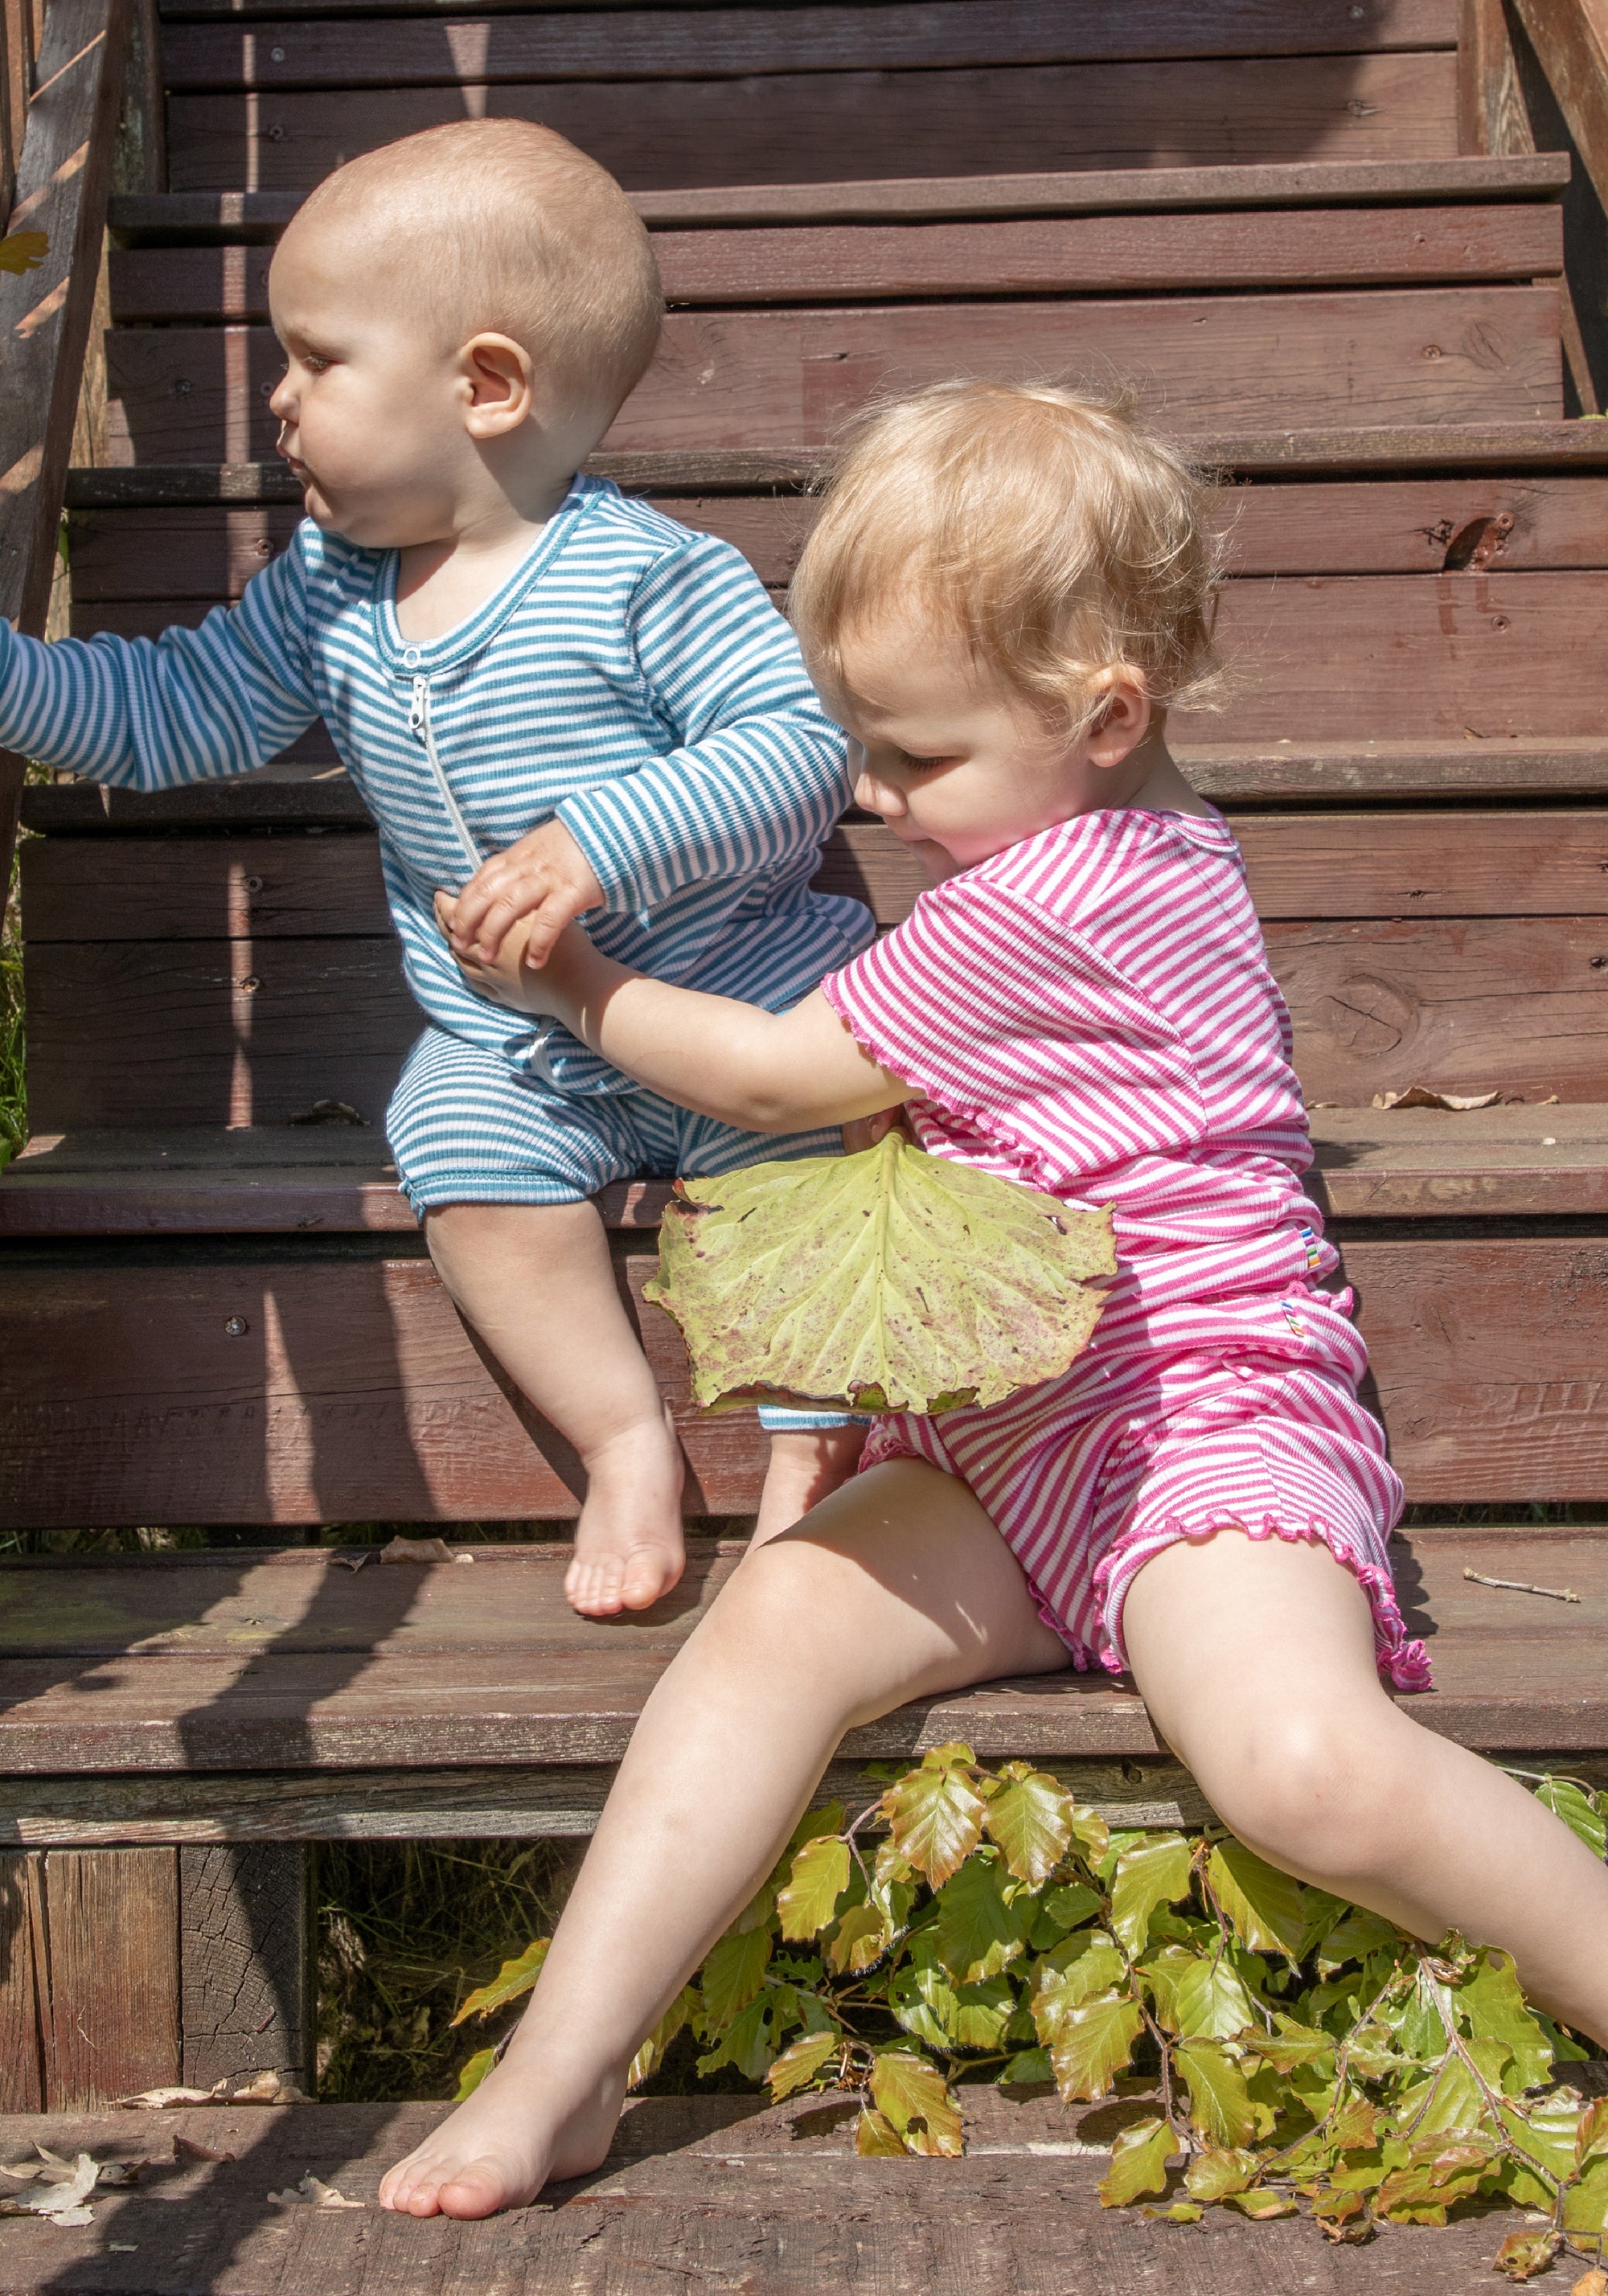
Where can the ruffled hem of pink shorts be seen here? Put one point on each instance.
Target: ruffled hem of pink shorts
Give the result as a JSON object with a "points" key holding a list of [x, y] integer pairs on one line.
{"points": [[1402, 1659]]}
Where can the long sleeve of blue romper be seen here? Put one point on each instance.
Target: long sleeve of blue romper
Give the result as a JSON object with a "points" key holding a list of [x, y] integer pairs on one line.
{"points": [[632, 678]]}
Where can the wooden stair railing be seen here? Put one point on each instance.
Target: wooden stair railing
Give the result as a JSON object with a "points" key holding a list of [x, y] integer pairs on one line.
{"points": [[74, 87]]}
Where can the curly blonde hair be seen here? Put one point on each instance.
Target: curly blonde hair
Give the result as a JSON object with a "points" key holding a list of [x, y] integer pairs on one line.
{"points": [[1045, 529]]}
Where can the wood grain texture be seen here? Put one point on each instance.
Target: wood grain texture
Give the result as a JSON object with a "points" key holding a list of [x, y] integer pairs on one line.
{"points": [[1158, 27], [445, 1665], [401, 50], [1514, 863], [256, 218], [818, 126], [112, 2018], [1152, 254], [1519, 1161], [247, 1962], [1491, 117], [253, 1808], [156, 1034], [777, 379], [1380, 526], [707, 2191], [1572, 47], [353, 1393], [22, 2039]]}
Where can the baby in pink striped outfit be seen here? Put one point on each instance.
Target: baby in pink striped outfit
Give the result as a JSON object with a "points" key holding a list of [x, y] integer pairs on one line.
{"points": [[1006, 591]]}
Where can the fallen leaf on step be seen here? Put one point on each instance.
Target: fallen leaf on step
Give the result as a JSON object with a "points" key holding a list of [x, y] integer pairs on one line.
{"points": [[67, 2188], [1419, 1095], [163, 2100], [262, 2088], [314, 2192], [265, 2088], [197, 2150], [72, 2216], [416, 1550]]}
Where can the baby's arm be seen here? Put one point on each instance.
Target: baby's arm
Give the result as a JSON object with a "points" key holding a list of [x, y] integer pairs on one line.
{"points": [[761, 1071], [193, 705], [758, 773]]}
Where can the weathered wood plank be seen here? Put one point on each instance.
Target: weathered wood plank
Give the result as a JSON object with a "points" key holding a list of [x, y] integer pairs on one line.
{"points": [[516, 1690], [113, 2020], [256, 1809], [1509, 863], [734, 43], [1333, 527], [704, 2192], [22, 1928], [248, 1962], [816, 126], [1572, 46], [1154, 254], [154, 1034], [782, 379], [1516, 1162], [256, 218], [352, 1392]]}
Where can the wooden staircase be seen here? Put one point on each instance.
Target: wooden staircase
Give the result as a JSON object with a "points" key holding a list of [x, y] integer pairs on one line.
{"points": [[214, 1307]]}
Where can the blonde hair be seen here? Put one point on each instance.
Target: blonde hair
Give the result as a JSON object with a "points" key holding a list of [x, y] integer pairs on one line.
{"points": [[1045, 529], [514, 233]]}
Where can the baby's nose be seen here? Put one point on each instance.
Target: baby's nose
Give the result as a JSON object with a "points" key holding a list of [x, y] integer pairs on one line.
{"points": [[876, 795]]}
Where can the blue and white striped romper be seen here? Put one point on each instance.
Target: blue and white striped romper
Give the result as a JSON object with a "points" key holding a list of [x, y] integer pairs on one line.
{"points": [[633, 678]]}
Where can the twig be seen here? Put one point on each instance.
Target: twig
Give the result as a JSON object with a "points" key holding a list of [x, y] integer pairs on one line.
{"points": [[1522, 1586]]}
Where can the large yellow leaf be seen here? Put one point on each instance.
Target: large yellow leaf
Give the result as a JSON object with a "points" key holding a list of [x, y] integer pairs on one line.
{"points": [[891, 1280]]}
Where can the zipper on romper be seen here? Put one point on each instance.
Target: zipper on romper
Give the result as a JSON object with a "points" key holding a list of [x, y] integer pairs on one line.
{"points": [[418, 723]]}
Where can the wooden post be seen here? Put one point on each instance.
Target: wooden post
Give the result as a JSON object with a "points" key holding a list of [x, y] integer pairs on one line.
{"points": [[1560, 55], [1491, 117], [62, 180], [89, 1977], [247, 1962]]}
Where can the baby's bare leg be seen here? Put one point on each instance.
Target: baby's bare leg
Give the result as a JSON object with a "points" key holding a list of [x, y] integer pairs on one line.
{"points": [[898, 1587], [805, 1468], [535, 1282], [1256, 1659]]}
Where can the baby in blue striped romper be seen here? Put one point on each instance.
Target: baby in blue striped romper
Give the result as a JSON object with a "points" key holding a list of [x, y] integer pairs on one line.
{"points": [[554, 700]]}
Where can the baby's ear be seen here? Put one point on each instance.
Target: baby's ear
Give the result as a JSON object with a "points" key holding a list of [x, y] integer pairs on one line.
{"points": [[502, 384]]}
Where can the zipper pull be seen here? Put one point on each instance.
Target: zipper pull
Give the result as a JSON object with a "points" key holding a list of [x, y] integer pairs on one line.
{"points": [[418, 715]]}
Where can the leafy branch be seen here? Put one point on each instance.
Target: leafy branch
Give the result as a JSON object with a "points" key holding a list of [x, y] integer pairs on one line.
{"points": [[1271, 2048]]}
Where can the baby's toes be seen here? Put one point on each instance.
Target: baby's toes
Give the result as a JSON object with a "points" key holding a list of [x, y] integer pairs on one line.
{"points": [[594, 1589], [648, 1575], [400, 2184], [479, 2189]]}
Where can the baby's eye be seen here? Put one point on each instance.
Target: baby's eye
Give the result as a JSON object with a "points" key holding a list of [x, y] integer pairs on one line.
{"points": [[314, 365], [919, 762]]}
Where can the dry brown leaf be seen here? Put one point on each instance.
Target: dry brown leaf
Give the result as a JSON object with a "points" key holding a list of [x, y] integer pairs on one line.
{"points": [[416, 1550], [1419, 1095], [198, 2151], [313, 2192], [1593, 2282]]}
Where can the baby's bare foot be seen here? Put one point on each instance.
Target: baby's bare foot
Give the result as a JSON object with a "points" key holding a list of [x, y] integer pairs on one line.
{"points": [[804, 1468], [628, 1544], [501, 2146]]}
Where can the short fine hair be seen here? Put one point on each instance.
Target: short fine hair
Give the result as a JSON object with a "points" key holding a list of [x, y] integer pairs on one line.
{"points": [[1043, 530], [518, 234]]}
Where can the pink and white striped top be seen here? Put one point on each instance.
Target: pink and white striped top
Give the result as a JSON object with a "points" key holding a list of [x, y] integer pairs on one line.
{"points": [[1091, 1013]]}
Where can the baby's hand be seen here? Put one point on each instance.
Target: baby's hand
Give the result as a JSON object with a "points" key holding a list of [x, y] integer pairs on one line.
{"points": [[505, 978], [542, 882]]}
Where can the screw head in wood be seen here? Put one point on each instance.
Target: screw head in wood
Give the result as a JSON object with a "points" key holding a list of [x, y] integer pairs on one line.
{"points": [[236, 1327]]}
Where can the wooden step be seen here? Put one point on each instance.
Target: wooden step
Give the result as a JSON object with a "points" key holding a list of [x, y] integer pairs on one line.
{"points": [[321, 1377], [758, 266], [256, 218], [1519, 1161], [290, 1663], [716, 2192]]}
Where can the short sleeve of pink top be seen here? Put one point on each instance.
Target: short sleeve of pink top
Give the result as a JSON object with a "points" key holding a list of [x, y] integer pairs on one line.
{"points": [[1091, 1013]]}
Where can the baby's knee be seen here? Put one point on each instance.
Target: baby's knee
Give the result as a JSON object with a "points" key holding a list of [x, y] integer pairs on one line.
{"points": [[1308, 1789]]}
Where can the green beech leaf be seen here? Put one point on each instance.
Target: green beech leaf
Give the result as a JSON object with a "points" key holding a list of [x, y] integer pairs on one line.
{"points": [[914, 2096], [1214, 2174], [1219, 2104], [935, 1816], [1154, 1871], [1291, 2045], [978, 1930], [797, 2065], [473, 2073], [1074, 1904], [949, 2016], [1586, 2204], [1359, 1934], [1031, 2067], [1492, 2007], [1091, 1834], [651, 2054], [820, 1875], [1065, 1981], [1578, 1809], [1032, 1823], [875, 2135], [1209, 2001], [733, 1974], [1260, 2204], [1435, 2174], [750, 2041], [1266, 1908], [860, 1939], [515, 1977], [1180, 2213], [1092, 2044], [1139, 2158], [890, 1280]]}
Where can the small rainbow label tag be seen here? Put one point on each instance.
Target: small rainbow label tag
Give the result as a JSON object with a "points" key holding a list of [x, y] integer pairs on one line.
{"points": [[1314, 1256]]}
